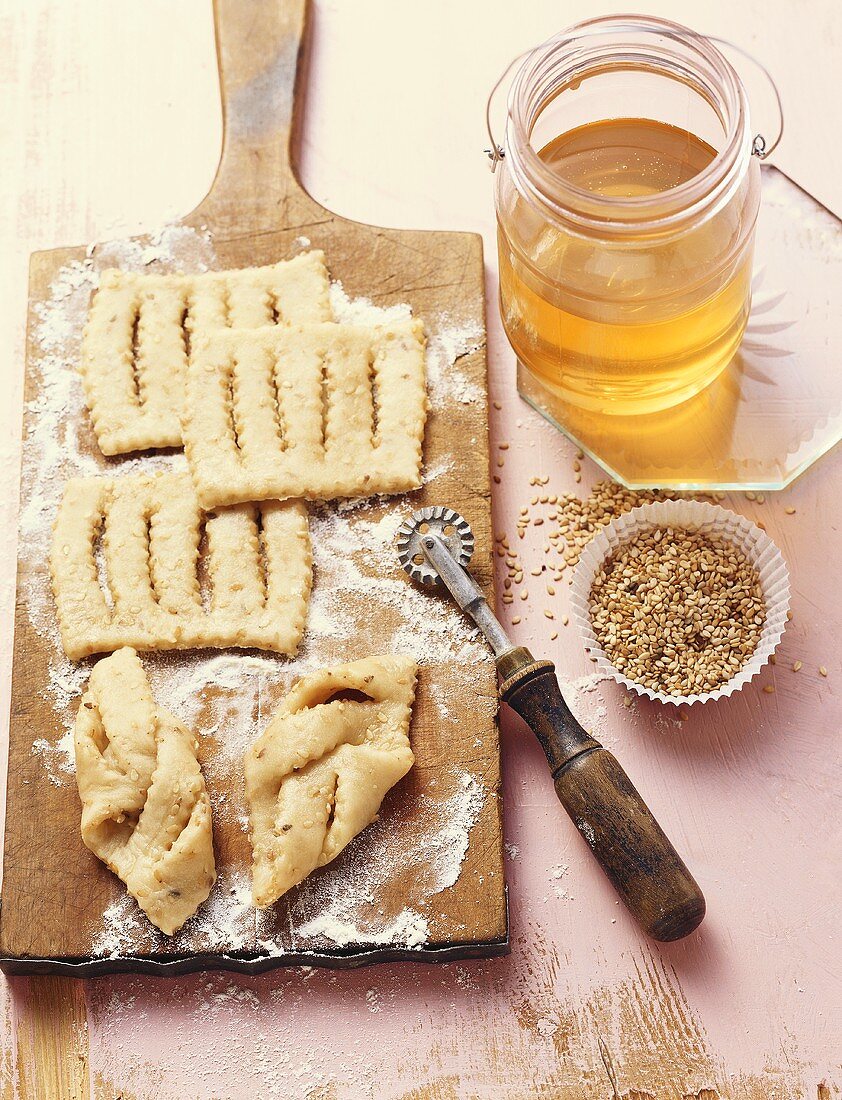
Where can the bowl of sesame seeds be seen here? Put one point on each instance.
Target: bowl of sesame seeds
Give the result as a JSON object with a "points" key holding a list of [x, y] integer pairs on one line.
{"points": [[680, 600]]}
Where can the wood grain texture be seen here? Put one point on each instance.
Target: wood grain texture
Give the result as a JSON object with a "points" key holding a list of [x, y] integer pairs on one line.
{"points": [[52, 1040], [54, 894]]}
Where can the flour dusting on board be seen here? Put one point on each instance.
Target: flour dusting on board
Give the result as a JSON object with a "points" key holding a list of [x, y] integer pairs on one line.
{"points": [[227, 697], [440, 831], [447, 342]]}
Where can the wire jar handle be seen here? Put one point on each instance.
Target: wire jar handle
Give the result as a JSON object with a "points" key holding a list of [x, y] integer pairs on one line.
{"points": [[759, 146]]}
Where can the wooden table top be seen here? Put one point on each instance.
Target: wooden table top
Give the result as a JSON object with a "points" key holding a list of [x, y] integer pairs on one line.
{"points": [[111, 126]]}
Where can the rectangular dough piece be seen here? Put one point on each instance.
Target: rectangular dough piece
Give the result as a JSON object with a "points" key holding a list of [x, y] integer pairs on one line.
{"points": [[130, 555], [140, 329], [321, 411]]}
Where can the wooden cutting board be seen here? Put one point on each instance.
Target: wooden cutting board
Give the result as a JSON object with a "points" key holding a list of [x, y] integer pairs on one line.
{"points": [[427, 880]]}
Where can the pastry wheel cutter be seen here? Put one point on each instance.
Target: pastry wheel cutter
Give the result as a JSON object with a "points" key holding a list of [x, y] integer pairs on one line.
{"points": [[434, 547]]}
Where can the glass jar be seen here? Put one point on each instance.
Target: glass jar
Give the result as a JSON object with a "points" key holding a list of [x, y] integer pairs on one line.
{"points": [[626, 200]]}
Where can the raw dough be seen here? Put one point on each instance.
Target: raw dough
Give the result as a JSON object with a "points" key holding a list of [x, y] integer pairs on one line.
{"points": [[320, 411], [317, 775], [257, 561], [145, 810], [140, 328]]}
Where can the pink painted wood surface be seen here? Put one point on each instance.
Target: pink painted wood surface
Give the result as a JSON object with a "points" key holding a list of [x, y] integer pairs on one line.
{"points": [[584, 1006]]}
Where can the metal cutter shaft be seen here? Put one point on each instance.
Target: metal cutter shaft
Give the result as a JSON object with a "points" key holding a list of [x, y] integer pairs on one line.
{"points": [[465, 591]]}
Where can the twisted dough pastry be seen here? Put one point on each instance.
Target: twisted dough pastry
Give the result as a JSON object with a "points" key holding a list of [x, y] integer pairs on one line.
{"points": [[317, 775], [145, 810]]}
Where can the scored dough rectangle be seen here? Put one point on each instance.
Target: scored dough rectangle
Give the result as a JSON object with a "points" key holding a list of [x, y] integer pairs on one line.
{"points": [[318, 411], [138, 337], [148, 539]]}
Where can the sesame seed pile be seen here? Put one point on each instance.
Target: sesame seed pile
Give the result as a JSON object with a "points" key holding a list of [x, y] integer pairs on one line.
{"points": [[677, 610]]}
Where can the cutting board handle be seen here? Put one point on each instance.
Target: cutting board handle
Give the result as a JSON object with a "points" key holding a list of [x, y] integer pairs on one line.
{"points": [[259, 46]]}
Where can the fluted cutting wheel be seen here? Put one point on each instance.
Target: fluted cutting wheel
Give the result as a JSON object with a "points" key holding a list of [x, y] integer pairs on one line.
{"points": [[449, 525]]}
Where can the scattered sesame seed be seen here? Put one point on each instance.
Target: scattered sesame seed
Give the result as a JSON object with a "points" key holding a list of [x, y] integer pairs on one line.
{"points": [[548, 614], [503, 446], [797, 666], [790, 511], [822, 670], [769, 689], [495, 479], [497, 405], [554, 635], [773, 660], [550, 590], [565, 620], [515, 620]]}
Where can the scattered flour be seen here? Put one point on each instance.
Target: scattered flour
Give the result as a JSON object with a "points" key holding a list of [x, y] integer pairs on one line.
{"points": [[408, 929], [227, 697], [464, 978], [448, 341], [556, 881], [587, 832], [227, 921], [443, 466], [430, 847], [440, 699]]}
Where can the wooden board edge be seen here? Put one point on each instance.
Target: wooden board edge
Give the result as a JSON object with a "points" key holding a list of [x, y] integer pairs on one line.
{"points": [[253, 964]]}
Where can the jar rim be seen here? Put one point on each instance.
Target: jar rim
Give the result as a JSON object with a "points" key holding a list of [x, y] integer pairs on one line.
{"points": [[712, 75]]}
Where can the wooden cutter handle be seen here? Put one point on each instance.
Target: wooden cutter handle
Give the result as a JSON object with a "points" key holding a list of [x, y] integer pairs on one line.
{"points": [[633, 850]]}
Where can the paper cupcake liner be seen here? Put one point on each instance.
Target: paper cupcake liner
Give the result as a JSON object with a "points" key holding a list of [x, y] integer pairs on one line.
{"points": [[713, 520]]}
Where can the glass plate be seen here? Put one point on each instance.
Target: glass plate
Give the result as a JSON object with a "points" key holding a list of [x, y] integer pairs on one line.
{"points": [[778, 405]]}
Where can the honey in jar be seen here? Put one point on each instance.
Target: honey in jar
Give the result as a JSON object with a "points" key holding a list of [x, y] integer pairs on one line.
{"points": [[625, 240]]}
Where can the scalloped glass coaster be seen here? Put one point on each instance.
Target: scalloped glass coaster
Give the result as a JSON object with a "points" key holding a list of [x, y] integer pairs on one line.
{"points": [[777, 407]]}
